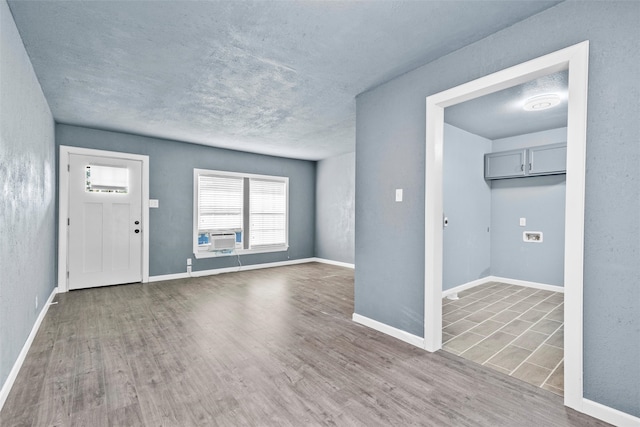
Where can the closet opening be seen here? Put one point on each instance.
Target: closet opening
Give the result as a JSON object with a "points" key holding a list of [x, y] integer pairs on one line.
{"points": [[504, 166], [573, 61]]}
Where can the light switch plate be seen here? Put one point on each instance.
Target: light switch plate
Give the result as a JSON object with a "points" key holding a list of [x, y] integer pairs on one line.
{"points": [[523, 222], [154, 203], [398, 194]]}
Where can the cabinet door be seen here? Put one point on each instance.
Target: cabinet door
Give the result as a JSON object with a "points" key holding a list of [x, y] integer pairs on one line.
{"points": [[548, 159], [505, 164]]}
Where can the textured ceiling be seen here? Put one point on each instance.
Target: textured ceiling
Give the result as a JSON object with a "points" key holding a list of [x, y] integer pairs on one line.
{"points": [[501, 114], [275, 77]]}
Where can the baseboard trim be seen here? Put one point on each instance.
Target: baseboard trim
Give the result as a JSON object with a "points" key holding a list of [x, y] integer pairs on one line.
{"points": [[535, 285], [389, 330], [213, 272], [465, 286], [163, 277], [478, 282], [13, 374], [332, 262], [608, 414]]}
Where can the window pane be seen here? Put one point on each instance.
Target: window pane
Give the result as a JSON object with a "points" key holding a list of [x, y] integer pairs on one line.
{"points": [[219, 202], [268, 212], [106, 179]]}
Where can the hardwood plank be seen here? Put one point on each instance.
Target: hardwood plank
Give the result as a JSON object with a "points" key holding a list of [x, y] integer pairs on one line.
{"points": [[258, 348]]}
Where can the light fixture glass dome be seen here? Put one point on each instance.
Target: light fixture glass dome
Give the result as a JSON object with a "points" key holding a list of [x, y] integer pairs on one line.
{"points": [[541, 102]]}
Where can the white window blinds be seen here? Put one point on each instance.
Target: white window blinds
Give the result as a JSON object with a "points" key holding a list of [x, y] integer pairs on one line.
{"points": [[268, 212], [220, 200]]}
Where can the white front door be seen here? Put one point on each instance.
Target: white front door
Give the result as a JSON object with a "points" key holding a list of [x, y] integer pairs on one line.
{"points": [[105, 221]]}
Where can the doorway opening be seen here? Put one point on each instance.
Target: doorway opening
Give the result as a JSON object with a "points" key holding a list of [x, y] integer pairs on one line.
{"points": [[574, 59], [503, 239], [103, 234]]}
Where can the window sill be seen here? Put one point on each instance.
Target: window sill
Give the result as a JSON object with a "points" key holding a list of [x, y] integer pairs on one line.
{"points": [[236, 252]]}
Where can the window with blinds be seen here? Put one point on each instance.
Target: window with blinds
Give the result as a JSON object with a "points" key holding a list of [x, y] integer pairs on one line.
{"points": [[220, 202], [254, 207], [268, 212]]}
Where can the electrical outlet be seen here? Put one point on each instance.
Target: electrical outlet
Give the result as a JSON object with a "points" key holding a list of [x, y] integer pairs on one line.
{"points": [[188, 261]]}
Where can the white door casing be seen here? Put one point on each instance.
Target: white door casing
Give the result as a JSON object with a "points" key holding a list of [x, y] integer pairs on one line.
{"points": [[98, 244], [575, 59]]}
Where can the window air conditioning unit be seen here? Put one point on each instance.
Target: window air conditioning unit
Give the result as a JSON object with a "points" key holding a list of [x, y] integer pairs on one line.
{"points": [[222, 241]]}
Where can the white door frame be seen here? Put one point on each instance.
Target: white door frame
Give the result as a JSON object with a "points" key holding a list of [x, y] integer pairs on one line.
{"points": [[63, 208], [574, 58]]}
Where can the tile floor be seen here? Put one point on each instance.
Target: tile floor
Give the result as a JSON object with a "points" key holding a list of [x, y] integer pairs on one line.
{"points": [[512, 329]]}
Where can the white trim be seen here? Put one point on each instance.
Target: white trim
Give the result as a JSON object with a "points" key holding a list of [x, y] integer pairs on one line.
{"points": [[235, 252], [465, 286], [13, 374], [213, 272], [574, 58], [257, 250], [63, 207], [489, 279], [389, 330], [574, 225], [610, 415], [535, 285], [221, 173], [163, 277], [331, 262]]}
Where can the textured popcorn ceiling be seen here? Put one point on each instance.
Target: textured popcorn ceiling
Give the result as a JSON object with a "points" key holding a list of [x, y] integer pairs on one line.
{"points": [[268, 77]]}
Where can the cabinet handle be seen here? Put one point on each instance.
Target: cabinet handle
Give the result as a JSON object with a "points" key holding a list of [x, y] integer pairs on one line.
{"points": [[521, 168], [529, 166]]}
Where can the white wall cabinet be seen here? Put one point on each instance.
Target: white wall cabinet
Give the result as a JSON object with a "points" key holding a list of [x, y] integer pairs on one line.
{"points": [[535, 161]]}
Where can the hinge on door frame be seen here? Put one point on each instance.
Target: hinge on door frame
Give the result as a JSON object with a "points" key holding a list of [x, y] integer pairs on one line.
{"points": [[68, 167], [67, 274], [68, 222]]}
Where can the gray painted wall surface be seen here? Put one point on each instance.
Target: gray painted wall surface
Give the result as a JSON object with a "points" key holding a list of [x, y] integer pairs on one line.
{"points": [[467, 205], [541, 200], [335, 208], [27, 204], [534, 139], [171, 181], [390, 153]]}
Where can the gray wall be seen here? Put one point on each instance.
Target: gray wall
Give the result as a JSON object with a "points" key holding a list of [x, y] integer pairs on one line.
{"points": [[27, 205], [467, 204], [335, 208], [534, 139], [541, 200], [390, 153], [171, 181]]}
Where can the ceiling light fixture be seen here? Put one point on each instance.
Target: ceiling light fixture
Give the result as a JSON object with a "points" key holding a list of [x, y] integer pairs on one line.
{"points": [[541, 102]]}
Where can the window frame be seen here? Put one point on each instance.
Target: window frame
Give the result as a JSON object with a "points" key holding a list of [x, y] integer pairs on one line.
{"points": [[198, 253]]}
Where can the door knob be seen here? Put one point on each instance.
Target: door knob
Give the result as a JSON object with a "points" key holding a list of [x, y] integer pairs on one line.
{"points": [[136, 230]]}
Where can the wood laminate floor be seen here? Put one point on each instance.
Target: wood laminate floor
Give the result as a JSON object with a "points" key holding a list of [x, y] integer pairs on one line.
{"points": [[258, 348]]}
